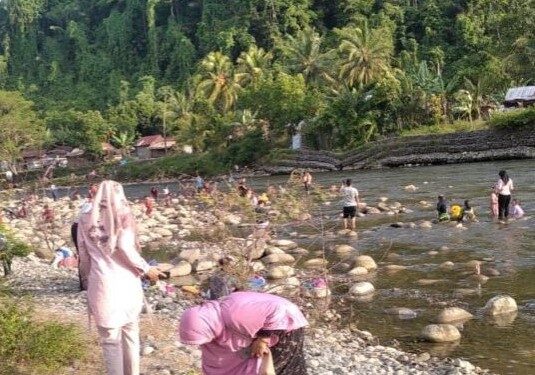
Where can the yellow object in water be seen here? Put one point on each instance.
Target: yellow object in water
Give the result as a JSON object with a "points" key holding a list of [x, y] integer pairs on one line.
{"points": [[456, 212]]}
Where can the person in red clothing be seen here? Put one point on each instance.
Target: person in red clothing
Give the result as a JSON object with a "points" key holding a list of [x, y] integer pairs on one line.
{"points": [[149, 206], [48, 214]]}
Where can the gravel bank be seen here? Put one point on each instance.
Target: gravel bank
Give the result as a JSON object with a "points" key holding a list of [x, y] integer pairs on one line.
{"points": [[328, 352]]}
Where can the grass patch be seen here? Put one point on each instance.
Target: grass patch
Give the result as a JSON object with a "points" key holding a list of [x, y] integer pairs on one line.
{"points": [[456, 127], [31, 347], [515, 119]]}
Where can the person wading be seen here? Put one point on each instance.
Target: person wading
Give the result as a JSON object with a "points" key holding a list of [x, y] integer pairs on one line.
{"points": [[504, 187], [111, 266], [350, 202]]}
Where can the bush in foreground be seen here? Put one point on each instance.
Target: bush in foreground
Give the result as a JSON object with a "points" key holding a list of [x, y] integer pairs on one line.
{"points": [[31, 347]]}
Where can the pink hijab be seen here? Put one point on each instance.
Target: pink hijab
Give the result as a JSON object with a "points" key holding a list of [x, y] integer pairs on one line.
{"points": [[110, 214], [201, 324]]}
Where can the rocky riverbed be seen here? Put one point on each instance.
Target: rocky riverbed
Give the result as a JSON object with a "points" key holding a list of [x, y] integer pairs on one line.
{"points": [[329, 350]]}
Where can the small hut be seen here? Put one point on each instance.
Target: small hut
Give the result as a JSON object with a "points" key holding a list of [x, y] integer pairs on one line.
{"points": [[520, 96]]}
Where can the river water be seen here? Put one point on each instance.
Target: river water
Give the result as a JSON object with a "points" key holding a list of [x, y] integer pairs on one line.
{"points": [[507, 347]]}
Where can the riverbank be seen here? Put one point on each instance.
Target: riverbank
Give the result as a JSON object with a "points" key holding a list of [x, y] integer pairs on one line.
{"points": [[329, 350]]}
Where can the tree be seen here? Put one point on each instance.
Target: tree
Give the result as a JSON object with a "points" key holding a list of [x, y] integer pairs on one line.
{"points": [[365, 54], [252, 65], [124, 142], [303, 54], [218, 83], [10, 248], [20, 128]]}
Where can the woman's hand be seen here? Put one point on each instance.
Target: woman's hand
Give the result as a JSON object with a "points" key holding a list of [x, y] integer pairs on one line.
{"points": [[259, 347], [154, 273]]}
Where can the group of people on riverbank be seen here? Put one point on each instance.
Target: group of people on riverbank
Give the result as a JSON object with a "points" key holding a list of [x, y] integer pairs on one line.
{"points": [[502, 206]]}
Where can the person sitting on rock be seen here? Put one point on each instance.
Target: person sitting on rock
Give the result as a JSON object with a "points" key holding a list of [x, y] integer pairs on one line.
{"points": [[64, 257], [154, 193], [245, 331], [22, 213], [442, 209], [242, 188]]}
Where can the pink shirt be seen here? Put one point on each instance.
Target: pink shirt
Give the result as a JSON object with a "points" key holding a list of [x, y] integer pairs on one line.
{"points": [[114, 293], [225, 329]]}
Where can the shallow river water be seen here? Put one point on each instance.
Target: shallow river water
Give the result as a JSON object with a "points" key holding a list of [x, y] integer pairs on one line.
{"points": [[506, 347]]}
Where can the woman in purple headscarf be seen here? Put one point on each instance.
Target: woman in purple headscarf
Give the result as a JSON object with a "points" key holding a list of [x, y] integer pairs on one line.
{"points": [[235, 333]]}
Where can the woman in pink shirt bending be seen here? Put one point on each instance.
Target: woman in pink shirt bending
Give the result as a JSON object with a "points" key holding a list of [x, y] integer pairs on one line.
{"points": [[237, 332], [111, 267]]}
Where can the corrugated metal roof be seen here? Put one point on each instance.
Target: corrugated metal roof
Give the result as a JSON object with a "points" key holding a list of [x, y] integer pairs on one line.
{"points": [[525, 93], [163, 144], [148, 140]]}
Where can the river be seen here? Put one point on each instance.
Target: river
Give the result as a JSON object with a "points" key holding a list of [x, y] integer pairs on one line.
{"points": [[505, 347]]}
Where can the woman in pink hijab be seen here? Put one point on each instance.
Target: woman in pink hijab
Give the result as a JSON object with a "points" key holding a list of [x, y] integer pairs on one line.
{"points": [[111, 267], [236, 331]]}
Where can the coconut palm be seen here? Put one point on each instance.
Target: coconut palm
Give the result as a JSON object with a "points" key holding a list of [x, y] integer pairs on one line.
{"points": [[252, 65], [218, 82], [365, 52], [303, 54], [124, 141]]}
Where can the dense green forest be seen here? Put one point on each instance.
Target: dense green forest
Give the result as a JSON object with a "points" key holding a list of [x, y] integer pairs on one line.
{"points": [[240, 75]]}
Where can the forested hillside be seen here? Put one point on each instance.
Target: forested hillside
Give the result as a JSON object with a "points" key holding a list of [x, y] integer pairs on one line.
{"points": [[216, 73]]}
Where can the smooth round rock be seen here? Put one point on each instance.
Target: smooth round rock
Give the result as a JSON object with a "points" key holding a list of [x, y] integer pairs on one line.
{"points": [[278, 258], [280, 272], [343, 249], [358, 271], [441, 333], [183, 268], [362, 288], [365, 261], [453, 314], [500, 305], [315, 263]]}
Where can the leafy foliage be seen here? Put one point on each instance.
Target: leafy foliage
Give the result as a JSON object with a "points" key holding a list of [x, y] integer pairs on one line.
{"points": [[514, 119], [10, 248]]}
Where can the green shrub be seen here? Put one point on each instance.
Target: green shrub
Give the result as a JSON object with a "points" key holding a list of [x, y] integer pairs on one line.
{"points": [[517, 118], [10, 248], [35, 346]]}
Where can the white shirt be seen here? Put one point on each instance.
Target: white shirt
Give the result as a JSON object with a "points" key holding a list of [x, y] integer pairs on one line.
{"points": [[349, 196], [505, 189]]}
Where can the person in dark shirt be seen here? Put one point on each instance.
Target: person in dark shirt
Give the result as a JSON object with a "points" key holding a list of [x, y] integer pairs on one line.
{"points": [[442, 209]]}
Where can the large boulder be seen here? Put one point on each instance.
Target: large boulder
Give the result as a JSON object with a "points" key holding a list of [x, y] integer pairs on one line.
{"points": [[283, 244], [453, 314], [362, 288], [280, 272], [273, 250], [365, 261], [183, 268], [44, 253], [191, 255], [500, 305], [441, 333]]}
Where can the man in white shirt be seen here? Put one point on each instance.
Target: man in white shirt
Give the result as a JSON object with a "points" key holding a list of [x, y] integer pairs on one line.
{"points": [[350, 202]]}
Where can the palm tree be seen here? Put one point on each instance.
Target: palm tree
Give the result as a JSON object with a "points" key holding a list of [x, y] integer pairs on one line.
{"points": [[252, 65], [218, 82], [366, 53], [303, 54]]}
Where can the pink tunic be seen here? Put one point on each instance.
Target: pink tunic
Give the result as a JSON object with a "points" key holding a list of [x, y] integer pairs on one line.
{"points": [[225, 329], [114, 292]]}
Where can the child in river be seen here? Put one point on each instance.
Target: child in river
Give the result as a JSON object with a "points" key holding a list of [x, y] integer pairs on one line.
{"points": [[468, 212], [442, 209], [518, 212], [493, 203]]}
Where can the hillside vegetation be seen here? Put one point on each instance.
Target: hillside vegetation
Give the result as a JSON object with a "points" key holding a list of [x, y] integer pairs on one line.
{"points": [[246, 73]]}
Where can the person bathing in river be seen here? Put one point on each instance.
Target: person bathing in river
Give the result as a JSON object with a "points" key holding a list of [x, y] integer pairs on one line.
{"points": [[493, 203], [442, 209], [149, 205], [350, 201], [154, 193], [306, 178], [518, 212], [504, 187], [468, 212]]}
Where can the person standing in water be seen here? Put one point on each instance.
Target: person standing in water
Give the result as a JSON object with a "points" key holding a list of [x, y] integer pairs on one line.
{"points": [[307, 180], [112, 267], [350, 202], [493, 203], [504, 187], [442, 209]]}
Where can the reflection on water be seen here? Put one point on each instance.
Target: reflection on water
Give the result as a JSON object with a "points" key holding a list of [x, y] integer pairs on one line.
{"points": [[506, 345]]}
